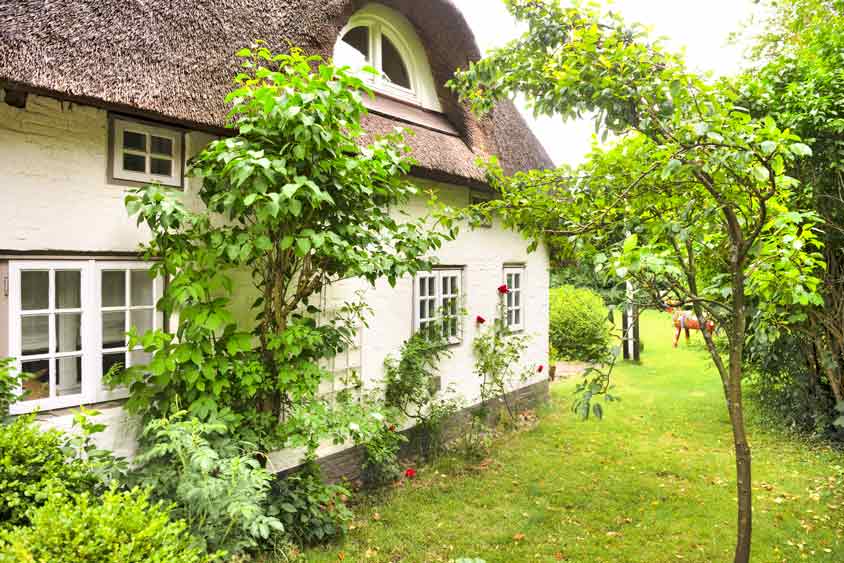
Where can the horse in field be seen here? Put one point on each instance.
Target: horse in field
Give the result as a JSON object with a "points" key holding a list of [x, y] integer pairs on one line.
{"points": [[687, 321]]}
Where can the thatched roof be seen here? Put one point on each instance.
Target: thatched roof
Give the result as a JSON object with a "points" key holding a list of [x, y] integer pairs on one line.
{"points": [[173, 60]]}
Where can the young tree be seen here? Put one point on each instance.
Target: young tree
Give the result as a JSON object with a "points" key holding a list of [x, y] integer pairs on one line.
{"points": [[292, 202], [696, 182]]}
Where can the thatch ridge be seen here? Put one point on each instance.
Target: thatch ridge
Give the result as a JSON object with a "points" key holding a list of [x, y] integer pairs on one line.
{"points": [[173, 60]]}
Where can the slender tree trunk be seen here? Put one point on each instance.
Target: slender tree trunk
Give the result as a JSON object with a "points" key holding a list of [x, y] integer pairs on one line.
{"points": [[732, 388], [743, 475]]}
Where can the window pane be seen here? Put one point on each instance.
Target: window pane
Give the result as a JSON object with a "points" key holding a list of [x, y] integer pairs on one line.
{"points": [[446, 284], [517, 299], [454, 289], [69, 332], [517, 316], [517, 280], [140, 358], [423, 287], [114, 329], [114, 288], [113, 359], [68, 289], [134, 141], [35, 290], [35, 335], [509, 317], [161, 145], [141, 285], [353, 50], [432, 286], [392, 64], [68, 376], [142, 320], [161, 166], [134, 163], [38, 384]]}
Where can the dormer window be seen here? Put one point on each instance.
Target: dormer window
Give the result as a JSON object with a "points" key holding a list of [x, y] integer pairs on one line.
{"points": [[384, 40]]}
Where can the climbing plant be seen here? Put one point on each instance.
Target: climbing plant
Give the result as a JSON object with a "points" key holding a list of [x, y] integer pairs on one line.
{"points": [[291, 202]]}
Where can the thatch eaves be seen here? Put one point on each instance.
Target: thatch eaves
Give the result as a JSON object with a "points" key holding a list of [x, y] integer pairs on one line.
{"points": [[173, 60]]}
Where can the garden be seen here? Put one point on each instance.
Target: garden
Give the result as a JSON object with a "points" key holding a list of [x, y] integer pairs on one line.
{"points": [[717, 199]]}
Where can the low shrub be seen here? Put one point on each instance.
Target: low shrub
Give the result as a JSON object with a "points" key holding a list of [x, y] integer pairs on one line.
{"points": [[579, 329], [312, 511], [380, 461], [220, 492], [35, 467], [119, 526]]}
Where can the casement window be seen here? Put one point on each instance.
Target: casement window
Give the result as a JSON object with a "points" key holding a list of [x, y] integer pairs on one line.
{"points": [[146, 153], [67, 326], [437, 297], [514, 277]]}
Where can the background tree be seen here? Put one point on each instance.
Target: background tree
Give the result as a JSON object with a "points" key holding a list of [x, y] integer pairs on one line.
{"points": [[292, 202], [699, 184], [798, 79]]}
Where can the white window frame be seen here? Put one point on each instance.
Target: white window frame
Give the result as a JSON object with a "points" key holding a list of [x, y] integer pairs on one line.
{"points": [[120, 127], [382, 20], [436, 302], [515, 299], [92, 389]]}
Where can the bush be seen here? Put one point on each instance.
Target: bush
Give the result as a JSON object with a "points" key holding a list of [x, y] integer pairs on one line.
{"points": [[380, 460], [34, 468], [221, 493], [312, 511], [122, 527], [579, 328]]}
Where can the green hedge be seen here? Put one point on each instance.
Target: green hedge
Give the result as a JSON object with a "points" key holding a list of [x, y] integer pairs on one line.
{"points": [[117, 527], [580, 329], [34, 468]]}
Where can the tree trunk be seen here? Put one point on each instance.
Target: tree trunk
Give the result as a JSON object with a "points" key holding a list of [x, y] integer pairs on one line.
{"points": [[732, 388], [743, 477]]}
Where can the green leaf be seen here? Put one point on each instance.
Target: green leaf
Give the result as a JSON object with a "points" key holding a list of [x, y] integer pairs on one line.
{"points": [[801, 149], [303, 246], [768, 147]]}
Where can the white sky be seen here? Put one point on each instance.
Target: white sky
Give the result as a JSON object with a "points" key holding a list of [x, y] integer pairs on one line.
{"points": [[699, 27]]}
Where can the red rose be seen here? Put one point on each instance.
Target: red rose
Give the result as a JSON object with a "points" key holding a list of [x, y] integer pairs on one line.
{"points": [[410, 473], [503, 289], [540, 368], [480, 320]]}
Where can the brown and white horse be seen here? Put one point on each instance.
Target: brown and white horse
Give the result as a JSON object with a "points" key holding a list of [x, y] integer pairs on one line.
{"points": [[686, 321]]}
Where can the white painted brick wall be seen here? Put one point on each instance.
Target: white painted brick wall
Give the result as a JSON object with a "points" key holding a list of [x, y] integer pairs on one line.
{"points": [[56, 196]]}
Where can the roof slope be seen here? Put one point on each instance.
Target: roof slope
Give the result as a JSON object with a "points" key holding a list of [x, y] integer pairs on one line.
{"points": [[174, 61]]}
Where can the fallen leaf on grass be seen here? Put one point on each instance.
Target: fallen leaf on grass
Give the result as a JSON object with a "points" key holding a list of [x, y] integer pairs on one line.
{"points": [[519, 537], [376, 516]]}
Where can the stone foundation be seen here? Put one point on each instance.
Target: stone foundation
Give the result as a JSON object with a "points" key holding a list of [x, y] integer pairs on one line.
{"points": [[348, 464]]}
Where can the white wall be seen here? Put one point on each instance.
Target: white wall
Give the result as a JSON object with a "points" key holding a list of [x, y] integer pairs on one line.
{"points": [[56, 196]]}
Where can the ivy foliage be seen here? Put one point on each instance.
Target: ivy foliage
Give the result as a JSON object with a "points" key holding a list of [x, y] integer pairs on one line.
{"points": [[293, 201]]}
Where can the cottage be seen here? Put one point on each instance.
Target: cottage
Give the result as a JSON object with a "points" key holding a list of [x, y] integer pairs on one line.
{"points": [[97, 96]]}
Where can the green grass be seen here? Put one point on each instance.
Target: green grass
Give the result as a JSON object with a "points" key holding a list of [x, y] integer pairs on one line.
{"points": [[653, 482]]}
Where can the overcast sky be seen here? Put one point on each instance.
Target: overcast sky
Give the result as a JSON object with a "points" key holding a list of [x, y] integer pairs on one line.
{"points": [[700, 27]]}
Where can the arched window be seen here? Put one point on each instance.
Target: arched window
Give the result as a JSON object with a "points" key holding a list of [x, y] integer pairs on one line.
{"points": [[383, 39]]}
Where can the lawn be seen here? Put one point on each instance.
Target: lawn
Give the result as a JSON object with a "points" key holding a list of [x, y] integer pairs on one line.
{"points": [[652, 482]]}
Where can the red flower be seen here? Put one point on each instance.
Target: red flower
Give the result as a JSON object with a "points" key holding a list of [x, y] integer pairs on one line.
{"points": [[410, 473], [480, 320], [503, 289], [540, 368]]}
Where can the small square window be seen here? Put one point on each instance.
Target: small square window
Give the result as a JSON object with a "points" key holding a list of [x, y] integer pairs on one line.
{"points": [[145, 153]]}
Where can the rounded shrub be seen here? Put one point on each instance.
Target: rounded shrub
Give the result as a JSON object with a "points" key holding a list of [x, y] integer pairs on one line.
{"points": [[34, 468], [119, 526], [579, 328]]}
